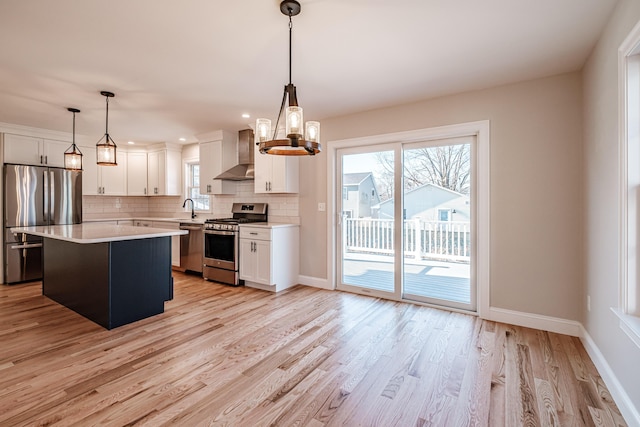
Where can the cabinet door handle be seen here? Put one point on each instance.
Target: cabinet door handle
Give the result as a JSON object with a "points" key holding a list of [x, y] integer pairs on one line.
{"points": [[266, 186], [46, 160], [40, 159]]}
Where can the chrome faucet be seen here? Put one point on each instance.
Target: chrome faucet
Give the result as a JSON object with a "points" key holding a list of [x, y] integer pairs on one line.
{"points": [[184, 205]]}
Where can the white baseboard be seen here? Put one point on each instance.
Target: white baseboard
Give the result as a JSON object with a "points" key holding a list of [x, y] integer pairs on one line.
{"points": [[535, 321], [626, 406], [315, 282]]}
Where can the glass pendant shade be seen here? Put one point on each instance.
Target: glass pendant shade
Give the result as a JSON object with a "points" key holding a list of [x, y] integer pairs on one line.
{"points": [[312, 131], [106, 152], [73, 155], [263, 130], [294, 122], [73, 158]]}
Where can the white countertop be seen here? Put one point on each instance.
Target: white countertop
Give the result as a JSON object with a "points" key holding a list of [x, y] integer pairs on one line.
{"points": [[268, 225], [196, 220], [96, 232]]}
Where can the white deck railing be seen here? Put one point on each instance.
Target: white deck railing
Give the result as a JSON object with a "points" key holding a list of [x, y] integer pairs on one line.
{"points": [[421, 239]]}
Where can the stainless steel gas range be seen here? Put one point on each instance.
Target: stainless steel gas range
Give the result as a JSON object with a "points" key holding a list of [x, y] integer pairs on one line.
{"points": [[221, 242]]}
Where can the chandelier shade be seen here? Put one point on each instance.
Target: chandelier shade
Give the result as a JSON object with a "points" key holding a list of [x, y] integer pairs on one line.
{"points": [[106, 147], [73, 155], [299, 138]]}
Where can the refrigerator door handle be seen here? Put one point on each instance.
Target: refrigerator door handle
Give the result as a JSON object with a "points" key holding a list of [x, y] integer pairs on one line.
{"points": [[45, 205], [52, 197]]}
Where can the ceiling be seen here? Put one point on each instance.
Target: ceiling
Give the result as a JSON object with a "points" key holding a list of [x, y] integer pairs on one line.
{"points": [[181, 68]]}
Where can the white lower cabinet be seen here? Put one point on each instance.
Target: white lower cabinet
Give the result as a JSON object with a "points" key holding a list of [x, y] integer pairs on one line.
{"points": [[269, 256]]}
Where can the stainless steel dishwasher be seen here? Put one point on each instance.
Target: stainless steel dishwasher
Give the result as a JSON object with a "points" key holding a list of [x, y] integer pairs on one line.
{"points": [[191, 246]]}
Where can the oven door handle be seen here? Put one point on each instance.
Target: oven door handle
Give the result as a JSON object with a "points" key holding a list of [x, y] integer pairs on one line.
{"points": [[221, 232], [27, 246]]}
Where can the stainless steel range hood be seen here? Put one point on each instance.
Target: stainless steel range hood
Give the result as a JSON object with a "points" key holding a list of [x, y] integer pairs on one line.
{"points": [[244, 170]]}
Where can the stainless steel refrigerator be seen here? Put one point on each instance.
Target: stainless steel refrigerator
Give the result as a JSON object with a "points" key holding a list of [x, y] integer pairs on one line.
{"points": [[35, 195]]}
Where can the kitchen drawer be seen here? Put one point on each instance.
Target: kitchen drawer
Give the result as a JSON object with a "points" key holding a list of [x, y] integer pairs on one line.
{"points": [[166, 224], [255, 233]]}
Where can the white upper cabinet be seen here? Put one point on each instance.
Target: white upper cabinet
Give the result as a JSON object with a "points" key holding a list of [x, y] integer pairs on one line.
{"points": [[276, 174], [113, 179], [27, 150], [103, 180], [155, 170], [164, 165], [137, 173], [218, 152]]}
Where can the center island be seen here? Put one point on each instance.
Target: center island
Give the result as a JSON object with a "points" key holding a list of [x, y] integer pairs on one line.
{"points": [[111, 274]]}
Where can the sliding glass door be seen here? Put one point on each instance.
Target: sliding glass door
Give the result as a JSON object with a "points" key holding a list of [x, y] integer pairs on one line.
{"points": [[368, 263], [438, 221], [406, 221]]}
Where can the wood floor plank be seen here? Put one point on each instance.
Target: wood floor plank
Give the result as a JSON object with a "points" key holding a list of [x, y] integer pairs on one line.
{"points": [[221, 355]]}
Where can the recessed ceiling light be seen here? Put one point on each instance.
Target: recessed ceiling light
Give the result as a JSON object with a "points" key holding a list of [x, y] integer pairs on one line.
{"points": [[130, 142], [183, 139], [246, 116]]}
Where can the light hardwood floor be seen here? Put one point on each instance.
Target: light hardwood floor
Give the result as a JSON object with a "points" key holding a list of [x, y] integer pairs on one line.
{"points": [[242, 357]]}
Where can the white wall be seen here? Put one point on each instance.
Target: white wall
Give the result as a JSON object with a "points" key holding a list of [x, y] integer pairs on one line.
{"points": [[536, 173], [601, 201]]}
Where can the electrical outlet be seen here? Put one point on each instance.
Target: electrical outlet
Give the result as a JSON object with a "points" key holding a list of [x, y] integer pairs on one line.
{"points": [[588, 303], [118, 204], [322, 207]]}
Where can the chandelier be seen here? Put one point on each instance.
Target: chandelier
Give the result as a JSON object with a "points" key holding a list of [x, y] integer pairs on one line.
{"points": [[299, 141]]}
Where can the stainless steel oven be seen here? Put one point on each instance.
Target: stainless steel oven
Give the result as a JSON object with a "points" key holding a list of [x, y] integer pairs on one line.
{"points": [[221, 242], [221, 256]]}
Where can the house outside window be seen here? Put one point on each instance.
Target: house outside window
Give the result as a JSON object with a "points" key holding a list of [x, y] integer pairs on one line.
{"points": [[444, 215], [201, 202]]}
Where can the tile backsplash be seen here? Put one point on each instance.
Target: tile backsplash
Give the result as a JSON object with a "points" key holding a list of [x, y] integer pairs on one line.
{"points": [[283, 208]]}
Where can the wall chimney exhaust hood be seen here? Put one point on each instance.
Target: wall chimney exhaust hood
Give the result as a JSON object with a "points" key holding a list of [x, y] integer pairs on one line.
{"points": [[244, 170]]}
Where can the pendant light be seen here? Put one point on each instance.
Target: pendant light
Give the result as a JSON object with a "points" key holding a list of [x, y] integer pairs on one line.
{"points": [[73, 155], [293, 140], [106, 147]]}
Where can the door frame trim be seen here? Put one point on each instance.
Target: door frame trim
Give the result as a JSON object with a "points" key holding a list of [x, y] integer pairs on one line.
{"points": [[479, 129]]}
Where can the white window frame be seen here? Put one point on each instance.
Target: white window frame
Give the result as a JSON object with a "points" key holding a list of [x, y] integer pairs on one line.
{"points": [[187, 175], [628, 310]]}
